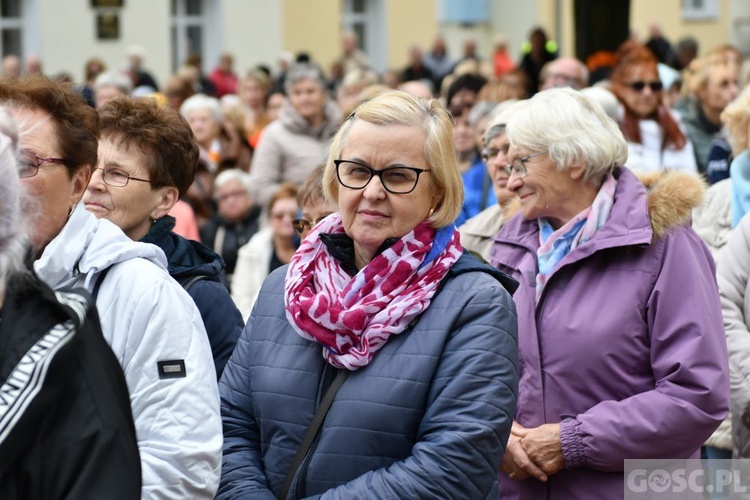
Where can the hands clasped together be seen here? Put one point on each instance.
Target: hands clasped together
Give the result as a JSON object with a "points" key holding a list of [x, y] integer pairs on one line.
{"points": [[533, 452]]}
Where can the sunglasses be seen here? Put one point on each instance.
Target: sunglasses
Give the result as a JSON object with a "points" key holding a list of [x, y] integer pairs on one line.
{"points": [[301, 226], [655, 86]]}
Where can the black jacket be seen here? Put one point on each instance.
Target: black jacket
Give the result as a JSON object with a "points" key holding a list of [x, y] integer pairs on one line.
{"points": [[66, 429], [235, 234]]}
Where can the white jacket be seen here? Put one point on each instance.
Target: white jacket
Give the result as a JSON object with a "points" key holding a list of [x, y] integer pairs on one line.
{"points": [[251, 270], [147, 318]]}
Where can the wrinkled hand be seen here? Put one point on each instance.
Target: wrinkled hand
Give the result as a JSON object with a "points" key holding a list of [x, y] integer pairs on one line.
{"points": [[542, 445], [516, 463]]}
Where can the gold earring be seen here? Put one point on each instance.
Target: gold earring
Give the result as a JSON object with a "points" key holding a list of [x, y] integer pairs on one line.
{"points": [[432, 211]]}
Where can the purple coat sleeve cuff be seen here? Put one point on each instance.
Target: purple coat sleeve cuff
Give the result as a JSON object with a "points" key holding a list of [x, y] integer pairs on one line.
{"points": [[571, 443]]}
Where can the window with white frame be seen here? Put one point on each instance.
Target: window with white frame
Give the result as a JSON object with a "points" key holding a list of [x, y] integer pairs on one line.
{"points": [[11, 27], [694, 10], [188, 29], [366, 19]]}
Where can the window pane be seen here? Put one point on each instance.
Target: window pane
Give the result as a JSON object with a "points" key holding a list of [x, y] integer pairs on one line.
{"points": [[10, 8], [174, 7], [195, 39], [360, 29], [193, 7], [358, 6], [11, 41]]}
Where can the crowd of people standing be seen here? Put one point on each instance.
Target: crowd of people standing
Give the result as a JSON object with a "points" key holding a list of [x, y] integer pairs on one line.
{"points": [[470, 277]]}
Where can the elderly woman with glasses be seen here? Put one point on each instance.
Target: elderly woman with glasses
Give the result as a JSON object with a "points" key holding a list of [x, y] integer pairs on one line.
{"points": [[151, 324], [382, 325], [620, 330], [655, 136], [147, 159]]}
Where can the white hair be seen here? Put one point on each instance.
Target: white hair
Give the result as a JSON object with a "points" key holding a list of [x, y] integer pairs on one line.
{"points": [[227, 176], [12, 239], [202, 102], [573, 128], [115, 79]]}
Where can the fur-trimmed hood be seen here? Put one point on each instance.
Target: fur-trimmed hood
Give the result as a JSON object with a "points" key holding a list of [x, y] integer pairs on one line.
{"points": [[672, 196]]}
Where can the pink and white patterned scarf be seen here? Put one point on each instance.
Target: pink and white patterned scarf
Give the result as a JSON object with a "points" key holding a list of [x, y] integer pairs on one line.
{"points": [[353, 317]]}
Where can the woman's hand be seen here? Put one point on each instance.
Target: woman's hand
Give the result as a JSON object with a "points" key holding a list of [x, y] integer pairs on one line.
{"points": [[542, 445], [516, 463]]}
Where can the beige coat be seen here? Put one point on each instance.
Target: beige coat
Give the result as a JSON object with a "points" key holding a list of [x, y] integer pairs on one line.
{"points": [[477, 232], [289, 149]]}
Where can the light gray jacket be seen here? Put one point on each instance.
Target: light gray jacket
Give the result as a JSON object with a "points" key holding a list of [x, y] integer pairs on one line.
{"points": [[289, 149]]}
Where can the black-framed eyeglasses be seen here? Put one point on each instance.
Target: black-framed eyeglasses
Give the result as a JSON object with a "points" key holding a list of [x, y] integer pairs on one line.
{"points": [[638, 86], [118, 178], [301, 226], [396, 180], [29, 163], [518, 166]]}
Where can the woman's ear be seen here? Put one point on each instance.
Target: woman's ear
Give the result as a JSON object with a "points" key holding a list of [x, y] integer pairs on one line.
{"points": [[81, 178], [166, 197], [577, 172]]}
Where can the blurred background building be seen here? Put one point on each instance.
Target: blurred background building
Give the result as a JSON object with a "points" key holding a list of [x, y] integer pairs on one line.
{"points": [[64, 34]]}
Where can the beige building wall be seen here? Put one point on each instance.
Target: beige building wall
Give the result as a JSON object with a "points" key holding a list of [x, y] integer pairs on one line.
{"points": [[408, 23], [313, 27], [667, 13]]}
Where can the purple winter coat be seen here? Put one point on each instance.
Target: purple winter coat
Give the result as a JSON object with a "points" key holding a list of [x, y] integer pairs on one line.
{"points": [[626, 346]]}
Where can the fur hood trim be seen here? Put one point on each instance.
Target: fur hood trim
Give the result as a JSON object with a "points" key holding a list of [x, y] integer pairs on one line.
{"points": [[672, 196]]}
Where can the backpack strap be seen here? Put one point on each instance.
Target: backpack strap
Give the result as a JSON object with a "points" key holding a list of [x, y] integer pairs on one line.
{"points": [[192, 280]]}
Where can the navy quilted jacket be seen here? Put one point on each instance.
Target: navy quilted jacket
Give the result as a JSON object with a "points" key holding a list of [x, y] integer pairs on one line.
{"points": [[429, 417]]}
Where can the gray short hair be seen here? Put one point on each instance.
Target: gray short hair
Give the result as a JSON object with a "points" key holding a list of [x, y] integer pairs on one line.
{"points": [[573, 128], [303, 71], [12, 239]]}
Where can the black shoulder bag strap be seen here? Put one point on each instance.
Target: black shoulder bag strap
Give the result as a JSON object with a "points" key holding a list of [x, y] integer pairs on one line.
{"points": [[98, 284], [313, 429]]}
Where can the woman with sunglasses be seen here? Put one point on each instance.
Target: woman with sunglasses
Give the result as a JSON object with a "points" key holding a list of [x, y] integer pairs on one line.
{"points": [[621, 337], [656, 139], [148, 320], [380, 304], [268, 249]]}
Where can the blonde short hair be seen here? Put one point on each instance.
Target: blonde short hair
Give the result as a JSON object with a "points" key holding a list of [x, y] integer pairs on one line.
{"points": [[399, 108], [736, 118]]}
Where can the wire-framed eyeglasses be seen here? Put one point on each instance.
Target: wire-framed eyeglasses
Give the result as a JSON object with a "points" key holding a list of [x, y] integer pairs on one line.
{"points": [[518, 166], [29, 163], [396, 180], [116, 177]]}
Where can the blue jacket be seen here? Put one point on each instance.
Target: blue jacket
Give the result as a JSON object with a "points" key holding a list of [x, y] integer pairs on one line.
{"points": [[187, 259], [429, 417]]}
